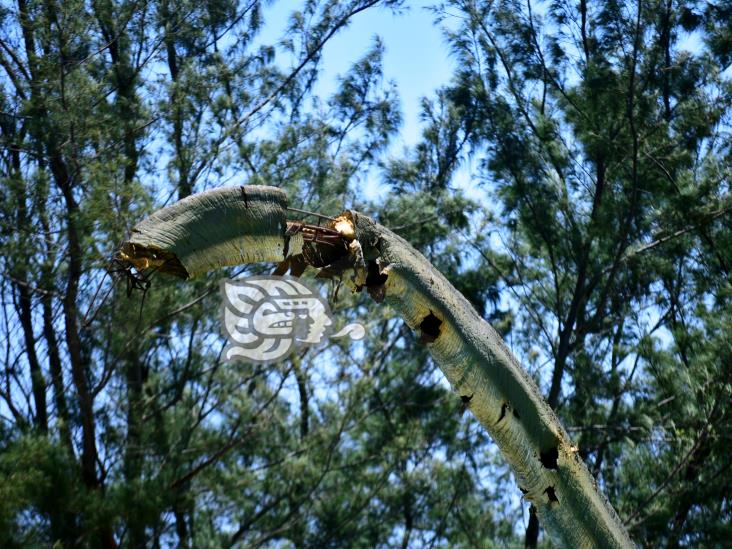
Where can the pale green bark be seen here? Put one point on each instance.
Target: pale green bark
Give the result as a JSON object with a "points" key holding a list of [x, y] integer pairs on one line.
{"points": [[502, 396], [472, 355], [213, 229]]}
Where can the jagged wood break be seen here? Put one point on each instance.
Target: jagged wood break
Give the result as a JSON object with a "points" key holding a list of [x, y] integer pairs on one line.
{"points": [[231, 226]]}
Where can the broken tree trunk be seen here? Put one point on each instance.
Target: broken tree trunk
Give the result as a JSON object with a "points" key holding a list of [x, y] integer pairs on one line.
{"points": [[245, 224]]}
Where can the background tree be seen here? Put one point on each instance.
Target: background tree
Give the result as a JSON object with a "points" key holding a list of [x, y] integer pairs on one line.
{"points": [[133, 433], [603, 135], [598, 134]]}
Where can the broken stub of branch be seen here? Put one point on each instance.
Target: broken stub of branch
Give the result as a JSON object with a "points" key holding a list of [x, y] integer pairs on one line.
{"points": [[213, 229], [219, 227]]}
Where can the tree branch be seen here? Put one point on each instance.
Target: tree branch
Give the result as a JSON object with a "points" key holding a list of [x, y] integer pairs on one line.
{"points": [[470, 353]]}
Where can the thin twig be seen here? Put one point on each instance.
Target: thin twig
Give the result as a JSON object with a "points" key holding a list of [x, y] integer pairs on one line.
{"points": [[314, 214]]}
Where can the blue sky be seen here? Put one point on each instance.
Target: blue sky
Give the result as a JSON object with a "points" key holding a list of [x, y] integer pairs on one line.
{"points": [[415, 58]]}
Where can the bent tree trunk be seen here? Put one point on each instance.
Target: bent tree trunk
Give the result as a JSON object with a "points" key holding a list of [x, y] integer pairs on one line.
{"points": [[237, 225]]}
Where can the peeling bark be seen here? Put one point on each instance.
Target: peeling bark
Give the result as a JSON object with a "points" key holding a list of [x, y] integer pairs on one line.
{"points": [[477, 362], [213, 229], [467, 349]]}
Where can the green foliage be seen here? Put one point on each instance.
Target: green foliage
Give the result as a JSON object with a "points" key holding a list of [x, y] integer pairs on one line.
{"points": [[596, 238], [603, 137]]}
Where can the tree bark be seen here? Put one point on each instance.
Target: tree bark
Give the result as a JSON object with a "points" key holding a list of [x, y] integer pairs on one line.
{"points": [[475, 360], [182, 161]]}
